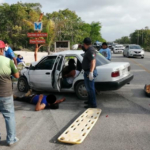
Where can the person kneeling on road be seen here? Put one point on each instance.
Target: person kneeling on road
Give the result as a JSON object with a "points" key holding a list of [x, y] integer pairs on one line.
{"points": [[41, 101]]}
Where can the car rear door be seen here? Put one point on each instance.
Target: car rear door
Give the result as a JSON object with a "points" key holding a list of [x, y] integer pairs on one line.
{"points": [[41, 75]]}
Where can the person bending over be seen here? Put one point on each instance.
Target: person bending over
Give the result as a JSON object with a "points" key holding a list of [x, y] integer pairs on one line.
{"points": [[41, 101], [69, 74]]}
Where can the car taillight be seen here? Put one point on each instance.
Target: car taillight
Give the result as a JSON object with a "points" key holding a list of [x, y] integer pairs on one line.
{"points": [[129, 68], [115, 74]]}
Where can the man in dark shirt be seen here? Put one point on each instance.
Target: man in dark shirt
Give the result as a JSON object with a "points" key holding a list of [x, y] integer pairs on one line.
{"points": [[89, 67]]}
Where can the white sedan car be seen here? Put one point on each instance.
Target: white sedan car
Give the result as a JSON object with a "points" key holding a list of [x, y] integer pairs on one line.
{"points": [[46, 74], [133, 50], [118, 48]]}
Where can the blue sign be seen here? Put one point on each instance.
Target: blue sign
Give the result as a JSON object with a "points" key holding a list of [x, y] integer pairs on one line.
{"points": [[38, 26]]}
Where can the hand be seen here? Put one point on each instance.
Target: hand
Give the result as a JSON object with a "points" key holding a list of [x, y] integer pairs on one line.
{"points": [[79, 46], [91, 76]]}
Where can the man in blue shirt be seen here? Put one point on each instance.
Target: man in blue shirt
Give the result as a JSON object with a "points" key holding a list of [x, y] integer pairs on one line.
{"points": [[20, 60], [105, 51], [9, 53], [41, 101]]}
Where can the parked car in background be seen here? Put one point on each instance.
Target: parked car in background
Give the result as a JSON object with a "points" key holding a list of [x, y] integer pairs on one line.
{"points": [[118, 48], [97, 45], [133, 50], [46, 74]]}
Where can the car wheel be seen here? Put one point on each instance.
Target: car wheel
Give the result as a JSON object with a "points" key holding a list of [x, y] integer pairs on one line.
{"points": [[142, 57], [81, 90], [23, 85], [128, 55]]}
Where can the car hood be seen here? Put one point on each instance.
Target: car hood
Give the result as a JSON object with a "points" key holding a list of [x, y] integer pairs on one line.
{"points": [[137, 50]]}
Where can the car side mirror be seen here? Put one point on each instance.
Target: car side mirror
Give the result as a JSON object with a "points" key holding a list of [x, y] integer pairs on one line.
{"points": [[32, 67]]}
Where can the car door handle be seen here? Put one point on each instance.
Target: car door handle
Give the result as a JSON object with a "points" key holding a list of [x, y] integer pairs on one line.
{"points": [[47, 73]]}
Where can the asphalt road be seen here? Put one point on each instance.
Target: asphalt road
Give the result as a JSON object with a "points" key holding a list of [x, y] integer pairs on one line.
{"points": [[126, 126]]}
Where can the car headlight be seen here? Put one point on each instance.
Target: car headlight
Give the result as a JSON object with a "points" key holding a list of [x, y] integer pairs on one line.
{"points": [[130, 52], [142, 52]]}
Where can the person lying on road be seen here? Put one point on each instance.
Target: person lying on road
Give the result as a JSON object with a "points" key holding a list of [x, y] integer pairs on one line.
{"points": [[41, 101]]}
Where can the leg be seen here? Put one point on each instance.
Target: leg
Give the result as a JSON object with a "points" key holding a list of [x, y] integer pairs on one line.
{"points": [[86, 85], [92, 93], [90, 87], [7, 109], [24, 99]]}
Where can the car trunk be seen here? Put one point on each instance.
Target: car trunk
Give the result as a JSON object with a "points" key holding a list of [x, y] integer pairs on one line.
{"points": [[105, 71]]}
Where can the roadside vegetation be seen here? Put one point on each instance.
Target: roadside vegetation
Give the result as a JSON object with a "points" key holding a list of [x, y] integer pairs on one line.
{"points": [[140, 37], [17, 20]]}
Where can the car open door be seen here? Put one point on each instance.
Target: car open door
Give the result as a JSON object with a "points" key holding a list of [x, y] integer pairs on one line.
{"points": [[58, 73]]}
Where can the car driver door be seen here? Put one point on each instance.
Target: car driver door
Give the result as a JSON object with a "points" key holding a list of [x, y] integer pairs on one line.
{"points": [[58, 73], [40, 76]]}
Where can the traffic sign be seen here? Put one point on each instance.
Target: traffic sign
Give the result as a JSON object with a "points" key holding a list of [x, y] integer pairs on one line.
{"points": [[37, 34], [37, 41], [38, 26]]}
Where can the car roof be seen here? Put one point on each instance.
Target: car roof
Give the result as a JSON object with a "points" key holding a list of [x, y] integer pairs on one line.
{"points": [[67, 52]]}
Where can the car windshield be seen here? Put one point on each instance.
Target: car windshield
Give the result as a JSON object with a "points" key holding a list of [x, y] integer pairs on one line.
{"points": [[135, 47], [100, 60]]}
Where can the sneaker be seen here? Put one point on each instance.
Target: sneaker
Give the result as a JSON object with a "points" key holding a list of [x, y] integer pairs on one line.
{"points": [[11, 143]]}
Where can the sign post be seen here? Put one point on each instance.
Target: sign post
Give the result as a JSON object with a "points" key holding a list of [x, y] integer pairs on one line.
{"points": [[38, 26]]}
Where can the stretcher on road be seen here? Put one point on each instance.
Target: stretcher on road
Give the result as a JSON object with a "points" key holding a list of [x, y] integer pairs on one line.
{"points": [[80, 128]]}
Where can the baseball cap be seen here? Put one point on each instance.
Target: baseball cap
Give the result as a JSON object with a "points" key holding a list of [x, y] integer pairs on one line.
{"points": [[87, 41], [2, 44]]}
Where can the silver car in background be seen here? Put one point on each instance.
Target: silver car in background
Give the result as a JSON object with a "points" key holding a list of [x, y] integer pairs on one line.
{"points": [[133, 50]]}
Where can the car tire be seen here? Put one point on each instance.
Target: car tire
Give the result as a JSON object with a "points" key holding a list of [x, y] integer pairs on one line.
{"points": [[128, 55], [142, 57], [81, 90], [23, 85]]}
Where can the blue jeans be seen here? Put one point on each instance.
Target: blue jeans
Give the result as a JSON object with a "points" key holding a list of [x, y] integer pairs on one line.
{"points": [[90, 87], [7, 109]]}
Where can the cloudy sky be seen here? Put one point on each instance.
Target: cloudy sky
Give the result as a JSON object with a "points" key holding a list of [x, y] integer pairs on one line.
{"points": [[118, 17]]}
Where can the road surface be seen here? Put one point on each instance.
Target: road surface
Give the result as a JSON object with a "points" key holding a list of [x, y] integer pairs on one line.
{"points": [[126, 127]]}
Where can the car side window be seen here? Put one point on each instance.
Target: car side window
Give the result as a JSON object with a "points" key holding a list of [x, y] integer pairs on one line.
{"points": [[46, 64]]}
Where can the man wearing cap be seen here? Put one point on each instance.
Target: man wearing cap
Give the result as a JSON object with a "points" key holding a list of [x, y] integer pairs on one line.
{"points": [[7, 68], [89, 67], [9, 53]]}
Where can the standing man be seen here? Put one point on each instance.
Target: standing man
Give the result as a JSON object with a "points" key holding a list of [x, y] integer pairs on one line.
{"points": [[105, 51], [7, 68], [89, 67], [9, 53]]}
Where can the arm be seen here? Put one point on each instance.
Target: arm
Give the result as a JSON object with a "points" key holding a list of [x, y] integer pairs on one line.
{"points": [[14, 70], [109, 55], [93, 64], [40, 106], [15, 61]]}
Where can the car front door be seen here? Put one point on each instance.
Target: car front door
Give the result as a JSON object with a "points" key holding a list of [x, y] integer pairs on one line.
{"points": [[58, 72], [40, 76]]}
